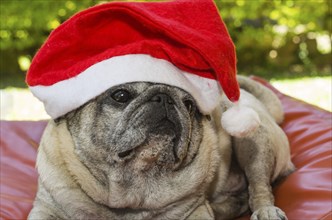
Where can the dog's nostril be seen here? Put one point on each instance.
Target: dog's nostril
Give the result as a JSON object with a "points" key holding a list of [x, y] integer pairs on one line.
{"points": [[156, 98], [169, 100], [162, 98], [189, 105]]}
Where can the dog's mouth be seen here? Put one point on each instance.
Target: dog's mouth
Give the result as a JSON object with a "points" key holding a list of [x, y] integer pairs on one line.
{"points": [[161, 144], [164, 128]]}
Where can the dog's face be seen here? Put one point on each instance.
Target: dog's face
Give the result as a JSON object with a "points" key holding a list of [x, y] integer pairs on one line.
{"points": [[139, 140]]}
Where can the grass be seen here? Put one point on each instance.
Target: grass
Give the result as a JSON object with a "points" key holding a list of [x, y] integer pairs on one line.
{"points": [[314, 90], [20, 104]]}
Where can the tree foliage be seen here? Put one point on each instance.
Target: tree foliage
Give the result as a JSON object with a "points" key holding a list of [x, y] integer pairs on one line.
{"points": [[287, 37], [273, 38]]}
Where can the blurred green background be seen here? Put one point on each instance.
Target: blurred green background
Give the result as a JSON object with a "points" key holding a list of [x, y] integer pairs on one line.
{"points": [[275, 39]]}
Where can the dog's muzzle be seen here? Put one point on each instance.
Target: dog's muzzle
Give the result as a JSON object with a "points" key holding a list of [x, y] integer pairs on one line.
{"points": [[156, 119]]}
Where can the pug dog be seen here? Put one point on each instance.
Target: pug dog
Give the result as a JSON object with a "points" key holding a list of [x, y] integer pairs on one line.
{"points": [[144, 150]]}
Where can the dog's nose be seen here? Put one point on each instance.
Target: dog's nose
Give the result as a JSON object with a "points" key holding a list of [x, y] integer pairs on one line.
{"points": [[162, 98]]}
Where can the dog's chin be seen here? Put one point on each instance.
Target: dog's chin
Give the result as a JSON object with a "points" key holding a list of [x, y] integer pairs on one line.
{"points": [[158, 152], [155, 155]]}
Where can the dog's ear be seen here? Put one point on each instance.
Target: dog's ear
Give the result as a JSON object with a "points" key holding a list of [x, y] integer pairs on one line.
{"points": [[58, 120], [63, 118], [69, 115]]}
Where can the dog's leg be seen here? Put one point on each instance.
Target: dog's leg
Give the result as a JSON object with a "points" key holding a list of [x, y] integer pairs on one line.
{"points": [[264, 154], [258, 162]]}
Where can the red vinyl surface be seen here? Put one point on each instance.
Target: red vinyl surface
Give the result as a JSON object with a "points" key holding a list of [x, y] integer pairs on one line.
{"points": [[305, 195]]}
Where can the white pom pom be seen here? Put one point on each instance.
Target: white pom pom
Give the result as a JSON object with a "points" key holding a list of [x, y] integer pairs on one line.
{"points": [[240, 121]]}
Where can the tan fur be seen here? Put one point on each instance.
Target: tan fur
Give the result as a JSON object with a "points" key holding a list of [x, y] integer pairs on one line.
{"points": [[216, 179]]}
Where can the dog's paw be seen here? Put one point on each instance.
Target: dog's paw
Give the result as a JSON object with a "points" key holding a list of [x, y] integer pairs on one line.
{"points": [[268, 213]]}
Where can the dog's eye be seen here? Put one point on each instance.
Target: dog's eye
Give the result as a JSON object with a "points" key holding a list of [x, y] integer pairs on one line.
{"points": [[121, 95], [189, 105]]}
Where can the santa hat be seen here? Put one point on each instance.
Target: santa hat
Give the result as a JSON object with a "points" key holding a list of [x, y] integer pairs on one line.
{"points": [[179, 43]]}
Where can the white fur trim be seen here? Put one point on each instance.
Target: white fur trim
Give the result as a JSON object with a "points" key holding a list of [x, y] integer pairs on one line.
{"points": [[67, 95], [240, 121]]}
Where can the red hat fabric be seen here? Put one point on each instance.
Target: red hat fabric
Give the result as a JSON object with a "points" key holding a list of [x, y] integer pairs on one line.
{"points": [[181, 43]]}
